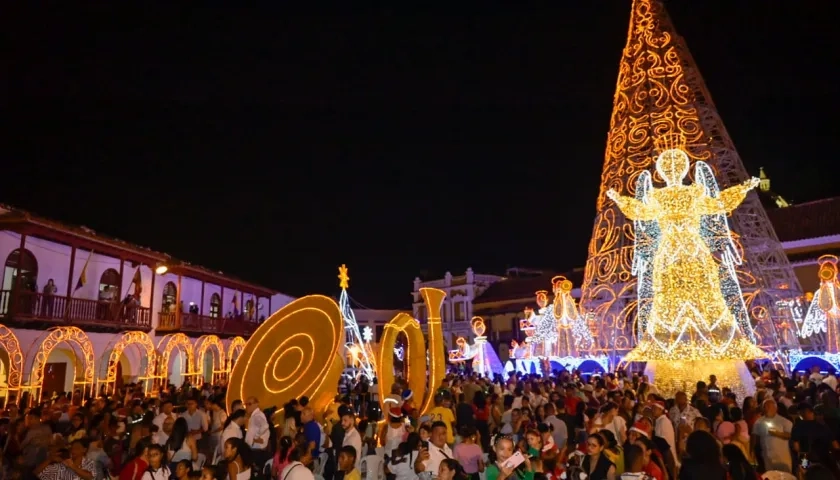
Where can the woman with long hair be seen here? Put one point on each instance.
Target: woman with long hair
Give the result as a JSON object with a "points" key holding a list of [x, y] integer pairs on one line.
{"points": [[451, 470], [468, 453], [232, 429], [298, 468], [703, 457], [157, 469], [238, 457], [596, 465], [181, 445], [281, 455], [137, 465], [739, 467]]}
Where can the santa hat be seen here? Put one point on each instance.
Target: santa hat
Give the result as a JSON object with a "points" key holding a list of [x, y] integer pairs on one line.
{"points": [[395, 412], [642, 428], [407, 394], [658, 403]]}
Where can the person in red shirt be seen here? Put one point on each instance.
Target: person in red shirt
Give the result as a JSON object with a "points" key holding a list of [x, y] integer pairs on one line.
{"points": [[653, 465], [137, 466]]}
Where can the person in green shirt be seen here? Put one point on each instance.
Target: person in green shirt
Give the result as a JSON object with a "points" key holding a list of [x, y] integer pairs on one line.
{"points": [[503, 449]]}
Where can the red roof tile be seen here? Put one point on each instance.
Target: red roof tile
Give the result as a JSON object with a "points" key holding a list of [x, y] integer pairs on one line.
{"points": [[819, 218]]}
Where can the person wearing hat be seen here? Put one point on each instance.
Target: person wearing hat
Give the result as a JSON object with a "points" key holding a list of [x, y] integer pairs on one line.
{"points": [[640, 428], [407, 408], [663, 427], [393, 432]]}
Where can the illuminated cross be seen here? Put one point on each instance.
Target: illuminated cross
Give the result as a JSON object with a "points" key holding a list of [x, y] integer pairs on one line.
{"points": [[343, 277]]}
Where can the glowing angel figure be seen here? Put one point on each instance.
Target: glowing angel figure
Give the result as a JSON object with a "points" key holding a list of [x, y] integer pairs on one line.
{"points": [[824, 313], [690, 304], [545, 327], [574, 335]]}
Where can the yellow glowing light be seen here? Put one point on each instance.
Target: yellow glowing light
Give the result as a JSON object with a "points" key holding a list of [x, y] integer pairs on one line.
{"points": [[478, 326], [202, 345], [824, 312], [166, 346], [415, 352], [161, 269], [343, 277], [148, 351], [10, 344], [689, 318], [671, 377], [73, 336], [234, 350], [294, 353]]}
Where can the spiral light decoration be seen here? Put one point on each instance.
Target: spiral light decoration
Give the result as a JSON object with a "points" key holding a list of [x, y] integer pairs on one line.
{"points": [[296, 352]]}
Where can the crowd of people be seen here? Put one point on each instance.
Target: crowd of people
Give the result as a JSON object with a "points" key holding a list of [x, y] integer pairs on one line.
{"points": [[561, 426]]}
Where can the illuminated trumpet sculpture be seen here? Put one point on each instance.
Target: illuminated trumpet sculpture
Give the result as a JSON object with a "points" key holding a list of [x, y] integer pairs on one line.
{"points": [[296, 352], [415, 353]]}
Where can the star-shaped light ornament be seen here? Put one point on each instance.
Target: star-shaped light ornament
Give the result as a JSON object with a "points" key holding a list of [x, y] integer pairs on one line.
{"points": [[367, 334], [344, 279]]}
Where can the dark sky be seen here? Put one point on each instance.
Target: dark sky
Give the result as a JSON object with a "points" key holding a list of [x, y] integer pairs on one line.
{"points": [[276, 144]]}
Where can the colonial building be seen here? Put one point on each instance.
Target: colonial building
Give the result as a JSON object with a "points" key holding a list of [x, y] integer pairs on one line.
{"points": [[82, 311], [457, 309]]}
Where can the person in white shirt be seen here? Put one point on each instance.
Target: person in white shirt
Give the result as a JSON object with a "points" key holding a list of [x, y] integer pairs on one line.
{"points": [[772, 433], [429, 458], [232, 429], [663, 427], [257, 432], [165, 412], [352, 436], [196, 419], [298, 467]]}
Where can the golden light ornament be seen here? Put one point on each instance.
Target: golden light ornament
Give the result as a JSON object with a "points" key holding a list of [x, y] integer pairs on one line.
{"points": [[234, 350], [295, 352], [219, 362], [823, 315], [415, 352], [691, 314], [11, 345], [166, 346], [115, 350], [75, 338]]}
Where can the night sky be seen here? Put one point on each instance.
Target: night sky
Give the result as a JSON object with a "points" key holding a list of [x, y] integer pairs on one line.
{"points": [[275, 145]]}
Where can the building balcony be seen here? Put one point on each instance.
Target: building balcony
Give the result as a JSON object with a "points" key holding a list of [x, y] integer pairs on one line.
{"points": [[193, 323], [36, 310]]}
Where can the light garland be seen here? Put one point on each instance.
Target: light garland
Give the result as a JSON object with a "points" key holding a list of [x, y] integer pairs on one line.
{"points": [[693, 308], [824, 313], [11, 345], [72, 336], [148, 353], [351, 328]]}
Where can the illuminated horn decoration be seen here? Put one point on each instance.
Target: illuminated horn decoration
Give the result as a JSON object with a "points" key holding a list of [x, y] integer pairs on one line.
{"points": [[294, 353], [416, 350]]}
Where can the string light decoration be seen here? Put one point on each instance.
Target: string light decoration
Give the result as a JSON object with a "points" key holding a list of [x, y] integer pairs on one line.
{"points": [[351, 328], [76, 338], [415, 352], [659, 91], [569, 320], [485, 361], [824, 313], [696, 309], [148, 355], [166, 346], [10, 344], [234, 351], [293, 353], [218, 370]]}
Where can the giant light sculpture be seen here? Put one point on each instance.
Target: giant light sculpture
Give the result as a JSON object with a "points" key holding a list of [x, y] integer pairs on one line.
{"points": [[691, 321]]}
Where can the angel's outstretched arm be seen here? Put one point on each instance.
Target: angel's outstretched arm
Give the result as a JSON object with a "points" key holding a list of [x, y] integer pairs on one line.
{"points": [[729, 199], [631, 208]]}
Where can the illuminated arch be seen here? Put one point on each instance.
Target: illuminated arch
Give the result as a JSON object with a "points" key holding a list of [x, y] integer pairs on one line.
{"points": [[76, 339], [237, 344], [219, 362], [166, 345], [108, 368], [10, 344]]}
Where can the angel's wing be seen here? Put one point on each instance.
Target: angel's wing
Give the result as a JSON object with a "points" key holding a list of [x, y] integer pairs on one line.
{"points": [[647, 240], [816, 319], [715, 232]]}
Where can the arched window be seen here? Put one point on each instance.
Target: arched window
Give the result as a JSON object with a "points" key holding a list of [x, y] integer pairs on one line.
{"points": [[170, 292], [215, 305], [24, 265], [110, 279], [249, 309]]}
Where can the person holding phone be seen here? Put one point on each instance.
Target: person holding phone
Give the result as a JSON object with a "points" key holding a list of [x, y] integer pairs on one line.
{"points": [[505, 464], [431, 454]]}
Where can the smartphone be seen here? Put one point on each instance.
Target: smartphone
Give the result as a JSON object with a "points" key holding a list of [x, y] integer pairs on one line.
{"points": [[515, 460], [424, 444]]}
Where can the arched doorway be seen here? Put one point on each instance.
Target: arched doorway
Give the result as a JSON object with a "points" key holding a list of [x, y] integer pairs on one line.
{"points": [[170, 295], [11, 361], [111, 369], [234, 350], [79, 346], [110, 280], [23, 266], [176, 359], [215, 305], [209, 359]]}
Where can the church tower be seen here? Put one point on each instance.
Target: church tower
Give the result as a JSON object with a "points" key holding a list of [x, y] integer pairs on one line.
{"points": [[660, 91]]}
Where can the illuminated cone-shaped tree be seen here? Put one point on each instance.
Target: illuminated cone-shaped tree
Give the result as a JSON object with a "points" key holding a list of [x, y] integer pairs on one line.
{"points": [[661, 92]]}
